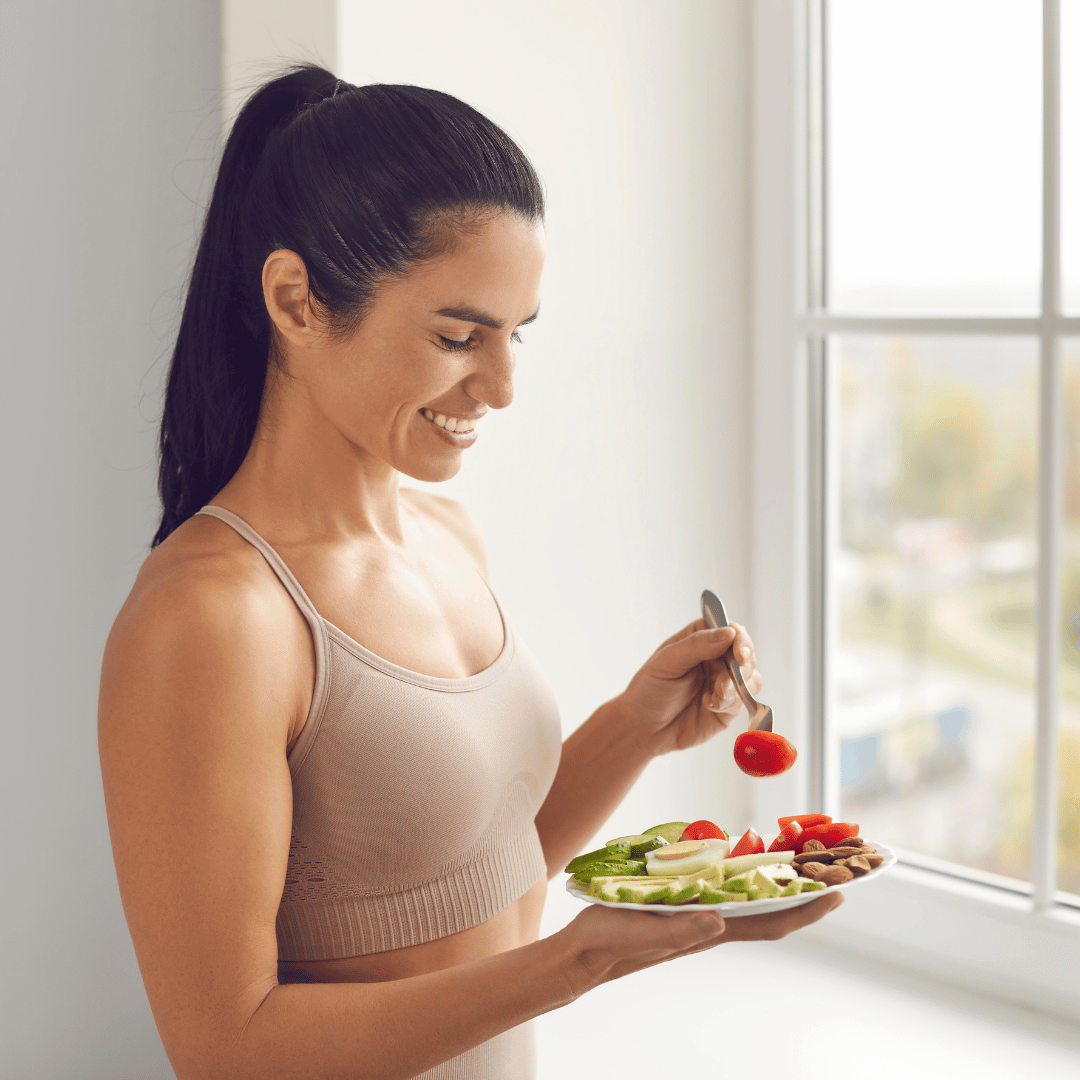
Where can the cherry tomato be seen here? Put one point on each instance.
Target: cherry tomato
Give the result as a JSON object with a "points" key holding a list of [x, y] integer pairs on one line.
{"points": [[763, 753], [703, 830], [749, 844], [805, 820], [829, 834], [789, 837]]}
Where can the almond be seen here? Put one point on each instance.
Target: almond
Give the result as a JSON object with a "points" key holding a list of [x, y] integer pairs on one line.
{"points": [[813, 869], [835, 875], [874, 861], [814, 856], [857, 864], [813, 845]]}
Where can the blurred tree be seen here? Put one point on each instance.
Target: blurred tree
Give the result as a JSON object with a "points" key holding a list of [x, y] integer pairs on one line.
{"points": [[1013, 847]]}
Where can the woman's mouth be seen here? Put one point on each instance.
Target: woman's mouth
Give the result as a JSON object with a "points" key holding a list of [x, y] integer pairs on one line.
{"points": [[449, 423]]}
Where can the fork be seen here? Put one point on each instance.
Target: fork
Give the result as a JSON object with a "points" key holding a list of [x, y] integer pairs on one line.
{"points": [[760, 715]]}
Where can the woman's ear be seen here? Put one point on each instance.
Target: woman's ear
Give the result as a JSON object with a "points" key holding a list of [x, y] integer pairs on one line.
{"points": [[287, 298]]}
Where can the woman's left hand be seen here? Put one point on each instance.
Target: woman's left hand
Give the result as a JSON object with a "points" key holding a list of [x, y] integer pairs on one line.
{"points": [[684, 694]]}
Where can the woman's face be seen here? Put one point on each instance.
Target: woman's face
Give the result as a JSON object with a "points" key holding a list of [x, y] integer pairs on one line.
{"points": [[435, 352]]}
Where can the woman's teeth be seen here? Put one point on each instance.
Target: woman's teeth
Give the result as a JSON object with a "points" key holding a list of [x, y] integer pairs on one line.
{"points": [[451, 423]]}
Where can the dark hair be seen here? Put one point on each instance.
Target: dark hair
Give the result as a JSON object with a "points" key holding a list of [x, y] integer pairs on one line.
{"points": [[361, 182]]}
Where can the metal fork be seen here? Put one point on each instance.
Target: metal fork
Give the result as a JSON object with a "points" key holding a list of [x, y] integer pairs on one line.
{"points": [[760, 715]]}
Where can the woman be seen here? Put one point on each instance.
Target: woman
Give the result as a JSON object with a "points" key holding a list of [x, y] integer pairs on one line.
{"points": [[333, 775]]}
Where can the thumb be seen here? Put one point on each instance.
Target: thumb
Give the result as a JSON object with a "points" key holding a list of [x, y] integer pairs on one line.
{"points": [[676, 659]]}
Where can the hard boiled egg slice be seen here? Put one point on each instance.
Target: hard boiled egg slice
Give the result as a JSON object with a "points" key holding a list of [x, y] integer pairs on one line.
{"points": [[685, 857]]}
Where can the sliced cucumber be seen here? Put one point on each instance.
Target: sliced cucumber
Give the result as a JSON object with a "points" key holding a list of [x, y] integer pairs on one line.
{"points": [[744, 862]]}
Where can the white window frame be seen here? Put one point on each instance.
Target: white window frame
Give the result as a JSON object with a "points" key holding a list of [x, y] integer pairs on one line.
{"points": [[968, 928]]}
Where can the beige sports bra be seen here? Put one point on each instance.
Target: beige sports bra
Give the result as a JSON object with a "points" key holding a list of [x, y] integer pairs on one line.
{"points": [[414, 797]]}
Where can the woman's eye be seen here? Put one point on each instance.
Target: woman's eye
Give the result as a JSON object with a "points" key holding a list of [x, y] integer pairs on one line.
{"points": [[456, 346], [451, 345]]}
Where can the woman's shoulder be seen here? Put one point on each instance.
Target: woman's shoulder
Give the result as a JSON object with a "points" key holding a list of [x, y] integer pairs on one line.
{"points": [[201, 576], [452, 516]]}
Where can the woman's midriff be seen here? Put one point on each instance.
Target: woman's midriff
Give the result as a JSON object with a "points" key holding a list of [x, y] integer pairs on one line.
{"points": [[511, 928]]}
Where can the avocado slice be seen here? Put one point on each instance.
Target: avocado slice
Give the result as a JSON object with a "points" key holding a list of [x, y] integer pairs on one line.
{"points": [[688, 892], [651, 892], [636, 845], [631, 867], [670, 830], [599, 855]]}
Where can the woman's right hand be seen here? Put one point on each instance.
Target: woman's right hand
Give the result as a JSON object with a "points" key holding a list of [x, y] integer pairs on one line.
{"points": [[607, 943]]}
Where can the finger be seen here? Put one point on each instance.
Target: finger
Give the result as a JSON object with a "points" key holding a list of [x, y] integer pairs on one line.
{"points": [[677, 658], [776, 925], [743, 650], [686, 631], [721, 696]]}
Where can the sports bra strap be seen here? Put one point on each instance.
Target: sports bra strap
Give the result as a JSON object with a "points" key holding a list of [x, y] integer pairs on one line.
{"points": [[307, 609]]}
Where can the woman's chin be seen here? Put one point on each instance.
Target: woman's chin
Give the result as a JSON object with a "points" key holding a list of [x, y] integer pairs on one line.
{"points": [[432, 472]]}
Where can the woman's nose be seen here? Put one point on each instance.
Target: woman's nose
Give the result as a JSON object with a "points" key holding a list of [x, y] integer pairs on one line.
{"points": [[493, 381]]}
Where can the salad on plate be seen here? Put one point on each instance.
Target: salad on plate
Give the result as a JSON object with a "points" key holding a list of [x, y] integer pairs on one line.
{"points": [[682, 865]]}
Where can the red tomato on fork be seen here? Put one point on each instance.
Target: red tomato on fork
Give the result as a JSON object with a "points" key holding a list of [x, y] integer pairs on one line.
{"points": [[749, 844], [703, 830], [763, 753]]}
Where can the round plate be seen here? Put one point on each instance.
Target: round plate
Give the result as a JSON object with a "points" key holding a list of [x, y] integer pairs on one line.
{"points": [[742, 907]]}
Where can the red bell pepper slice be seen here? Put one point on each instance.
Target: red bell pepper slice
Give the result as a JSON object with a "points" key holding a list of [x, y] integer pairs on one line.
{"points": [[790, 836], [805, 820], [829, 835]]}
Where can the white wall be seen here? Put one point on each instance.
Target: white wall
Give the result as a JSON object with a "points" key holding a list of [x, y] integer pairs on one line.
{"points": [[615, 488], [110, 123], [612, 491], [259, 35]]}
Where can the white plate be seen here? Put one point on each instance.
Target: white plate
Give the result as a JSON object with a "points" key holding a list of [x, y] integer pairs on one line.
{"points": [[742, 907]]}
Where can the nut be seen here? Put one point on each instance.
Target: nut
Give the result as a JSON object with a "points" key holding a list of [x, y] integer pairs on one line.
{"points": [[814, 856], [813, 869], [813, 845], [835, 875], [874, 861], [857, 864]]}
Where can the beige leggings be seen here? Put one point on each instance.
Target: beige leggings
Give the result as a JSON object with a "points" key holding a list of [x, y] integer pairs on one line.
{"points": [[509, 1056]]}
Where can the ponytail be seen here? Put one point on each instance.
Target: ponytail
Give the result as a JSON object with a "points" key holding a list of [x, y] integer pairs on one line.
{"points": [[356, 181]]}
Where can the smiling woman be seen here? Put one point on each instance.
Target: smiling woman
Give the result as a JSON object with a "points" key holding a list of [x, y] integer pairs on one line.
{"points": [[333, 773]]}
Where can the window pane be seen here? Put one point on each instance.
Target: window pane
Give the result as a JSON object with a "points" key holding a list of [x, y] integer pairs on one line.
{"points": [[933, 137], [1069, 715], [1070, 155], [933, 579]]}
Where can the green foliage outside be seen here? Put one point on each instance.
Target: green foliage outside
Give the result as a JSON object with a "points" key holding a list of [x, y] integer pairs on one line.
{"points": [[1018, 786]]}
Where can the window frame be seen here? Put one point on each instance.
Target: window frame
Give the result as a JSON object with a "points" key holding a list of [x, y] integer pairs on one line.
{"points": [[968, 928]]}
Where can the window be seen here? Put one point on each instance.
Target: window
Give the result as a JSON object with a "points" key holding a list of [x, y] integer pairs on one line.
{"points": [[917, 449]]}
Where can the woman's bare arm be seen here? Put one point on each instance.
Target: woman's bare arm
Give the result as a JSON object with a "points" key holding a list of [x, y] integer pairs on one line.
{"points": [[199, 687], [600, 763]]}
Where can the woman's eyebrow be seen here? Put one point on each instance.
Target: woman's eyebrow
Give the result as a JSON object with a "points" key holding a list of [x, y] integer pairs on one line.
{"points": [[465, 314]]}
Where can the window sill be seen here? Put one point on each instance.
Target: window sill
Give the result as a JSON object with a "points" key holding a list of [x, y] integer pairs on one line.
{"points": [[976, 936]]}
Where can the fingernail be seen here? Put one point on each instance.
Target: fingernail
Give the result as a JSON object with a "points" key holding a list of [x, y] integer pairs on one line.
{"points": [[706, 925], [744, 652], [717, 634]]}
